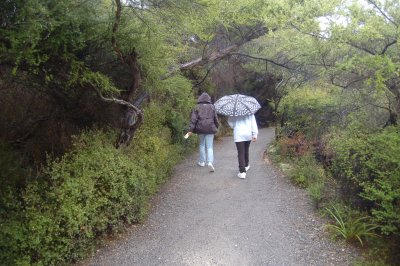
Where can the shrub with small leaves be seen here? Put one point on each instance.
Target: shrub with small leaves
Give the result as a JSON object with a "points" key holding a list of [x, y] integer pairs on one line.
{"points": [[307, 171], [315, 190], [89, 191], [371, 164], [308, 111]]}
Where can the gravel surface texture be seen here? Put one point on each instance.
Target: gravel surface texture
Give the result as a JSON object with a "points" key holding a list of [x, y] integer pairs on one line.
{"points": [[204, 218]]}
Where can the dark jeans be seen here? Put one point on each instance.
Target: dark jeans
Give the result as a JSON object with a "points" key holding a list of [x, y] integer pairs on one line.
{"points": [[243, 154]]}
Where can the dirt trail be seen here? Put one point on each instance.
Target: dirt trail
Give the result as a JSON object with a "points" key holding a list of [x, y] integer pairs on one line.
{"points": [[203, 218]]}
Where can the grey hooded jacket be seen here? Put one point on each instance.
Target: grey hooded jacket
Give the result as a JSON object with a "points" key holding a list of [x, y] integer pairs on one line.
{"points": [[203, 119]]}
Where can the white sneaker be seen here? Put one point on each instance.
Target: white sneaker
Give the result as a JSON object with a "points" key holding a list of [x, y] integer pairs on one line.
{"points": [[211, 166], [247, 168], [242, 175], [201, 164]]}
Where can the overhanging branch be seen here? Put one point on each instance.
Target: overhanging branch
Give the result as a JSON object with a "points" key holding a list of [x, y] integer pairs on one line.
{"points": [[117, 101], [382, 12], [263, 59], [220, 54]]}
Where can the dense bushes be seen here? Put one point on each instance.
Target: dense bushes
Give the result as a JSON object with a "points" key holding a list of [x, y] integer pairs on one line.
{"points": [[91, 190], [371, 164], [346, 158], [309, 111]]}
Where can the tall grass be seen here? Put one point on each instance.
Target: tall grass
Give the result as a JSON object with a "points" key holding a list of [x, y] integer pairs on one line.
{"points": [[349, 227]]}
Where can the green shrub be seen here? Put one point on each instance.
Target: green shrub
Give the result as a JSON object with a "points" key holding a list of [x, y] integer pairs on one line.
{"points": [[303, 169], [371, 164], [85, 193], [307, 171], [12, 230], [315, 191], [91, 190], [308, 111]]}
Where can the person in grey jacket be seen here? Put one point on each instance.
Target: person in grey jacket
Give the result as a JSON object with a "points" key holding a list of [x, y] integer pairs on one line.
{"points": [[204, 122], [245, 130]]}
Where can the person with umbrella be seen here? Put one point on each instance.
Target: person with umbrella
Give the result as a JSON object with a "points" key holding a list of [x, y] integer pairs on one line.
{"points": [[204, 122], [240, 109]]}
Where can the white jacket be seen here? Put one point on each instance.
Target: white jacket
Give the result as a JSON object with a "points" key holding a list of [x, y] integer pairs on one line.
{"points": [[244, 127]]}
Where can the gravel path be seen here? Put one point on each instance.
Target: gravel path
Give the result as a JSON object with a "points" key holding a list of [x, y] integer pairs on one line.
{"points": [[203, 218]]}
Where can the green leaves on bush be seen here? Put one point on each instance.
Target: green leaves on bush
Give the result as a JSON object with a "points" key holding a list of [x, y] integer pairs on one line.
{"points": [[307, 171], [315, 191], [89, 191], [371, 163], [308, 111]]}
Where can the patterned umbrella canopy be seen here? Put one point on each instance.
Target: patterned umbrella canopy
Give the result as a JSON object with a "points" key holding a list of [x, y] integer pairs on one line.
{"points": [[237, 105]]}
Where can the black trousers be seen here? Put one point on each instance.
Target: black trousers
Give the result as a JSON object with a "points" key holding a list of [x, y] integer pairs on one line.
{"points": [[243, 154]]}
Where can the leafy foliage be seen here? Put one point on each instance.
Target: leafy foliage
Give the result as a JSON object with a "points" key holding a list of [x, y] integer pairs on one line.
{"points": [[371, 163], [307, 171], [309, 111], [316, 192], [36, 32], [90, 191]]}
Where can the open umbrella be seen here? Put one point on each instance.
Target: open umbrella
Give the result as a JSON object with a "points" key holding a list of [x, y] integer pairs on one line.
{"points": [[237, 105]]}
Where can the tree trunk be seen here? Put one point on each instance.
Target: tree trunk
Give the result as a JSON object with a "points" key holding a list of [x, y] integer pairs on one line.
{"points": [[132, 118], [394, 112]]}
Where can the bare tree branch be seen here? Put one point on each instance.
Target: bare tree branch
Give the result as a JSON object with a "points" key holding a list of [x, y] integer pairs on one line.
{"points": [[310, 34], [332, 79], [206, 75], [387, 47], [382, 12], [361, 48], [327, 38], [207, 59], [117, 101], [220, 54], [264, 59]]}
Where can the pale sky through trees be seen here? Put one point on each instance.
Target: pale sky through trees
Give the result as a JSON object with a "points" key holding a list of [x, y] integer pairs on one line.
{"points": [[337, 19]]}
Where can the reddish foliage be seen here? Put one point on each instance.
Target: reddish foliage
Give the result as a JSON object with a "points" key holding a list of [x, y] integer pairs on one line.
{"points": [[296, 145]]}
